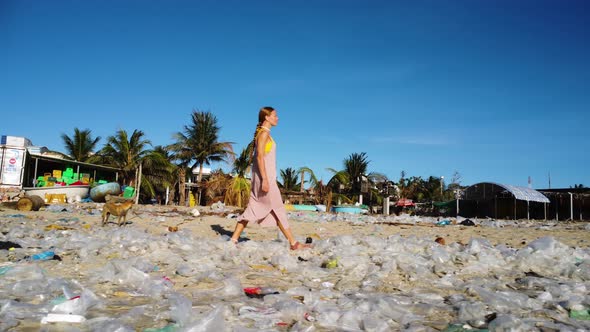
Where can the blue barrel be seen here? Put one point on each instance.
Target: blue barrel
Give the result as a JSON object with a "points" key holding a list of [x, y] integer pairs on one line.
{"points": [[98, 193]]}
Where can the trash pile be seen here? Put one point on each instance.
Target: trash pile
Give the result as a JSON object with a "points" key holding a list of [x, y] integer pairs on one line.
{"points": [[114, 278], [405, 219]]}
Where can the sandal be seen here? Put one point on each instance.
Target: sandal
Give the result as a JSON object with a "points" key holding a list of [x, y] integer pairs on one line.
{"points": [[297, 246]]}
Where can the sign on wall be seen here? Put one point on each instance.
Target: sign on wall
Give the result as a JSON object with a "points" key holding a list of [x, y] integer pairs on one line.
{"points": [[12, 166]]}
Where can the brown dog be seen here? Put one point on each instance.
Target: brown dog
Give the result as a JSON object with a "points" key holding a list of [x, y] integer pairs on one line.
{"points": [[116, 209]]}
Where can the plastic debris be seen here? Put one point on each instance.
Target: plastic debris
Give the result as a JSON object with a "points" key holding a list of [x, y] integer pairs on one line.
{"points": [[330, 264], [440, 241], [4, 245], [218, 207], [62, 318], [259, 292], [462, 328], [467, 222], [136, 280], [167, 328], [4, 269], [44, 256], [580, 314]]}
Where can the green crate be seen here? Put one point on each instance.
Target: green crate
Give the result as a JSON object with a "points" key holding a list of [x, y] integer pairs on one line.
{"points": [[128, 192], [69, 172]]}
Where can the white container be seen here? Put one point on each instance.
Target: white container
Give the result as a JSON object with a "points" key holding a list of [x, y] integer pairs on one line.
{"points": [[62, 318], [15, 141]]}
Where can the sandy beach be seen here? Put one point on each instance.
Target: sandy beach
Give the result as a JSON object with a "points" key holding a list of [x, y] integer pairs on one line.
{"points": [[170, 269]]}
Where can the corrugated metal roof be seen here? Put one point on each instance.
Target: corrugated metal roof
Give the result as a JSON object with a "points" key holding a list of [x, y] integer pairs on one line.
{"points": [[525, 194], [479, 190]]}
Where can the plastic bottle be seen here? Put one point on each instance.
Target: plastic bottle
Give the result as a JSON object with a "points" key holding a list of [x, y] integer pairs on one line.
{"points": [[60, 318], [44, 256], [268, 290], [330, 264], [309, 317], [259, 292], [4, 269], [580, 314]]}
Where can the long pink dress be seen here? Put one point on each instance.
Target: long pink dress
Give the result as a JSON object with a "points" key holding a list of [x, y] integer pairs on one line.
{"points": [[261, 204]]}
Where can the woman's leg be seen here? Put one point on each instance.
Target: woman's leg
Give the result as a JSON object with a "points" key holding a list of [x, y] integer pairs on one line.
{"points": [[286, 231], [238, 231]]}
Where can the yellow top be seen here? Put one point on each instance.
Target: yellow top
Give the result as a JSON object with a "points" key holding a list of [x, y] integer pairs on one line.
{"points": [[268, 144]]}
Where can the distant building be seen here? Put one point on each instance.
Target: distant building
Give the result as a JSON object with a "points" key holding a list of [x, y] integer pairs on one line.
{"points": [[502, 201], [568, 203]]}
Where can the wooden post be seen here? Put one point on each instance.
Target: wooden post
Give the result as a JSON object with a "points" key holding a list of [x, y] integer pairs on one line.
{"points": [[199, 183], [138, 184], [495, 208], [35, 178], [514, 208], [545, 209], [571, 206], [167, 195], [302, 188], [181, 185]]}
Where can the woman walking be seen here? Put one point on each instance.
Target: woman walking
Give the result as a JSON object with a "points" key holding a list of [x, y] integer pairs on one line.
{"points": [[265, 205]]}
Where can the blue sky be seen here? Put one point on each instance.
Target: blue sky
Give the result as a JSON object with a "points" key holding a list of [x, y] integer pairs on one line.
{"points": [[495, 90]]}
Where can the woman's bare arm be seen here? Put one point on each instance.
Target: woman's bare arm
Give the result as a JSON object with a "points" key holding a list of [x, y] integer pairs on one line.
{"points": [[261, 141]]}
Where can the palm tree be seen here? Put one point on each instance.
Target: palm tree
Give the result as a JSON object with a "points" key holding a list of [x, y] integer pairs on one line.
{"points": [[347, 182], [199, 144], [80, 146], [313, 180], [402, 185], [126, 153], [129, 153], [339, 183], [243, 164], [322, 193], [290, 180], [239, 188], [158, 171], [418, 189], [377, 182], [356, 166]]}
